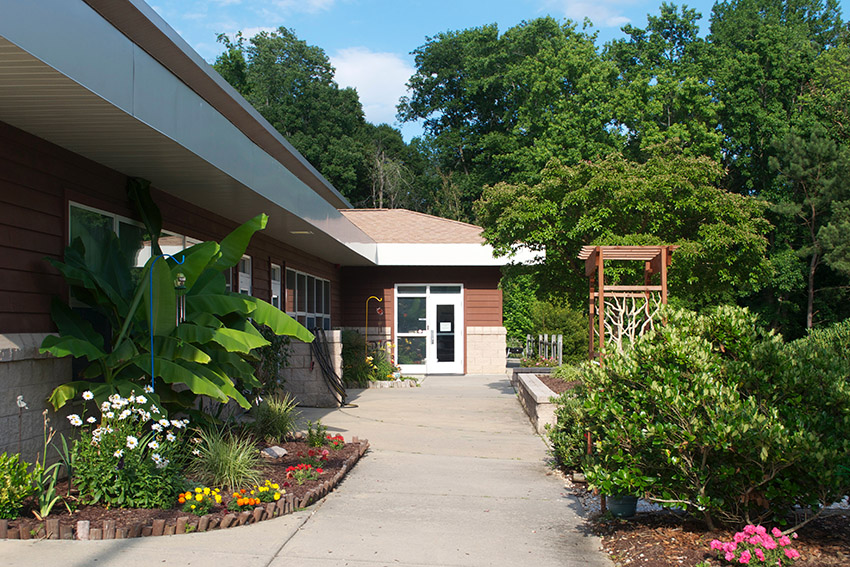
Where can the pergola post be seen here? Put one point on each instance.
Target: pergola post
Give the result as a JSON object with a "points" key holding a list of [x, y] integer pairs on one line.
{"points": [[655, 260]]}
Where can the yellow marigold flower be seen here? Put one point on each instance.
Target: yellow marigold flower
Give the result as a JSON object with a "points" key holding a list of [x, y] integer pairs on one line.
{"points": [[198, 489], [217, 499], [277, 495], [206, 490], [199, 497], [235, 495], [275, 486], [193, 506]]}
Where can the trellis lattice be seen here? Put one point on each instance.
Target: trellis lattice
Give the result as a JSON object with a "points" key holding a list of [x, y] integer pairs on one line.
{"points": [[619, 314], [629, 316]]}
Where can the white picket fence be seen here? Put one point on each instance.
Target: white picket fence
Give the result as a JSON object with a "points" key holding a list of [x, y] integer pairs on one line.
{"points": [[547, 346]]}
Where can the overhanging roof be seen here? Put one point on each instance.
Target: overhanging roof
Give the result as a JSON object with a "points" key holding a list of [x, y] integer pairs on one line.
{"points": [[71, 77]]}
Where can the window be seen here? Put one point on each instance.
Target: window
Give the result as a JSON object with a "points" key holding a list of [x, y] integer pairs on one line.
{"points": [[244, 268], [92, 226], [275, 285], [308, 300]]}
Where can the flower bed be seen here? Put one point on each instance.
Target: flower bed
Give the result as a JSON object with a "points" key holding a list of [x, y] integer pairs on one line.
{"points": [[99, 522]]}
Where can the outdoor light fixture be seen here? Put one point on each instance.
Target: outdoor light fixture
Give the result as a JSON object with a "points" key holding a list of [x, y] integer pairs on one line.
{"points": [[180, 288]]}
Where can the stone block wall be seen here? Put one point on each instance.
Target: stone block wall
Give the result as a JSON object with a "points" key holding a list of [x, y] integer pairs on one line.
{"points": [[25, 372], [303, 375], [485, 350]]}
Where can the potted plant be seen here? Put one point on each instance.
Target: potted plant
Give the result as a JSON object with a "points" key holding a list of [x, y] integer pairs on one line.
{"points": [[622, 487]]}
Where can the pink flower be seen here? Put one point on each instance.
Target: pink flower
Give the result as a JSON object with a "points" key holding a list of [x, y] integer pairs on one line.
{"points": [[776, 532], [791, 553], [769, 543], [716, 544], [730, 546], [750, 529], [729, 556], [760, 554], [784, 540], [745, 558], [739, 537]]}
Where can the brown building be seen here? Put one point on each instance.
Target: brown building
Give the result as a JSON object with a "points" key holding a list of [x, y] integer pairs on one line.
{"points": [[93, 92]]}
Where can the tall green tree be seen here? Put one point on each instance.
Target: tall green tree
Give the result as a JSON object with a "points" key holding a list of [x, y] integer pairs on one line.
{"points": [[762, 54], [663, 94], [669, 199], [292, 85], [815, 170], [499, 107]]}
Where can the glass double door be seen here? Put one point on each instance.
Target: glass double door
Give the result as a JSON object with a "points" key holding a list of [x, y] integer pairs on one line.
{"points": [[429, 329]]}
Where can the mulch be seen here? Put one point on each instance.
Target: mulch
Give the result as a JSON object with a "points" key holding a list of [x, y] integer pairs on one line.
{"points": [[556, 384], [273, 469]]}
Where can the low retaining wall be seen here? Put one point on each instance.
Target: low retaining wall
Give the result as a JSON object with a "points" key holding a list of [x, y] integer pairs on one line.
{"points": [[534, 396]]}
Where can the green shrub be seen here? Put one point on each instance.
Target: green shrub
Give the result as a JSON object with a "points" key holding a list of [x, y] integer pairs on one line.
{"points": [[567, 438], [381, 368], [355, 368], [274, 417], [225, 460], [15, 485], [715, 414]]}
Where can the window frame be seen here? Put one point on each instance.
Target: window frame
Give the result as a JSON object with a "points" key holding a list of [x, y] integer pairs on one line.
{"points": [[301, 310]]}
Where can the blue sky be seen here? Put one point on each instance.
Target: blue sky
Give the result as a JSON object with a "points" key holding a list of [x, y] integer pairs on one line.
{"points": [[369, 41]]}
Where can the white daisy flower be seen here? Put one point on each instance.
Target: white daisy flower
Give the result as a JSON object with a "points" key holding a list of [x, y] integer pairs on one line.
{"points": [[91, 419], [104, 406], [153, 445], [87, 395], [196, 452], [108, 429], [146, 416], [118, 454], [170, 437], [164, 422], [124, 414], [141, 400], [109, 414], [154, 409], [156, 427], [177, 423], [75, 420], [132, 442], [148, 389]]}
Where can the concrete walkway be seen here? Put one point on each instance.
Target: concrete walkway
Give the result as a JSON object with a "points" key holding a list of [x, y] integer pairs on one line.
{"points": [[455, 477]]}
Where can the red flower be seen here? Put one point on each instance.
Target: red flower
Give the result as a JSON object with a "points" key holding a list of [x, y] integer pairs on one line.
{"points": [[320, 471]]}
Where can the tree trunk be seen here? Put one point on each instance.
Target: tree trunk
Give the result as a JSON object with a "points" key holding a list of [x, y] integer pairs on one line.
{"points": [[813, 266]]}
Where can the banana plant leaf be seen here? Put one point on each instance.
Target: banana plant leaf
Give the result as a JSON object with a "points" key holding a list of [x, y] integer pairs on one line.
{"points": [[174, 373], [280, 323], [209, 282], [139, 192], [196, 259], [63, 346], [68, 322], [174, 348], [233, 245], [231, 340], [161, 316], [219, 304]]}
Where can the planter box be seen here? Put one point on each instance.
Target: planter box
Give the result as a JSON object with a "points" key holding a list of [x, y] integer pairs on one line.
{"points": [[534, 396]]}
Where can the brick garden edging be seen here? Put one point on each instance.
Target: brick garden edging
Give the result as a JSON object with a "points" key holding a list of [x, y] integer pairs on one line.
{"points": [[286, 505]]}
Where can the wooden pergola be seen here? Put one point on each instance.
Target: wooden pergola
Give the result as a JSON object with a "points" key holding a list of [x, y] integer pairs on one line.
{"points": [[656, 260]]}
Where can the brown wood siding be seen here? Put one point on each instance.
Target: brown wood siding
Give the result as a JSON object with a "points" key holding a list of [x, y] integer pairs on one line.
{"points": [[37, 181], [482, 296]]}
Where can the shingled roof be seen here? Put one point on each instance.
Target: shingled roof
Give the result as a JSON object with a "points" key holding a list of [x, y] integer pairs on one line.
{"points": [[410, 227]]}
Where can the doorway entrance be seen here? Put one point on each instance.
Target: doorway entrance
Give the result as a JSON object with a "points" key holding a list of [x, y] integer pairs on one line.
{"points": [[429, 328]]}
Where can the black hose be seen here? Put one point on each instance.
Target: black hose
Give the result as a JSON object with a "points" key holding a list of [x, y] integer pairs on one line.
{"points": [[321, 354]]}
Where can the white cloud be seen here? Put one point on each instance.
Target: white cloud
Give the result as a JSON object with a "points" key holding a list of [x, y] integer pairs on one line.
{"points": [[378, 77], [603, 13]]}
